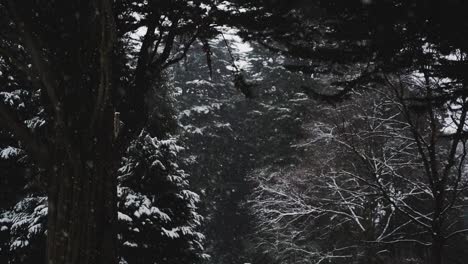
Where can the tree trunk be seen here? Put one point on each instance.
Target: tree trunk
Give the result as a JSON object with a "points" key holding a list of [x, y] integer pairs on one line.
{"points": [[438, 240], [437, 248], [437, 243], [82, 205]]}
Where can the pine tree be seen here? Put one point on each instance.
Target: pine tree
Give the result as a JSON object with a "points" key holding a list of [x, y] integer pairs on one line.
{"points": [[157, 212], [90, 75]]}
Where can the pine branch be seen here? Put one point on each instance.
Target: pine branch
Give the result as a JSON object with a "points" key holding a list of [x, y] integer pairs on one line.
{"points": [[10, 121]]}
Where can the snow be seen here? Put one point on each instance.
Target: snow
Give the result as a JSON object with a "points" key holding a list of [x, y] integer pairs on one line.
{"points": [[186, 113], [35, 229], [18, 244], [205, 6], [170, 233], [9, 152], [158, 163], [143, 210], [122, 261], [185, 230], [165, 217], [191, 195], [223, 125], [35, 122], [11, 98], [240, 49], [228, 6], [171, 143], [198, 131], [123, 217], [201, 109], [199, 82], [130, 244]]}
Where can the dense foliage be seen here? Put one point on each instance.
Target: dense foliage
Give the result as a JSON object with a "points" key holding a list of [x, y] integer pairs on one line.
{"points": [[312, 131]]}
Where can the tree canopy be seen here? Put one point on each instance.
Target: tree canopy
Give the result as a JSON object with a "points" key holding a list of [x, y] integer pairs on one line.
{"points": [[97, 95]]}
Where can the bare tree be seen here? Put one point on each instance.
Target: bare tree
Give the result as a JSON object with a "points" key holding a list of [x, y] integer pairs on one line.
{"points": [[382, 173]]}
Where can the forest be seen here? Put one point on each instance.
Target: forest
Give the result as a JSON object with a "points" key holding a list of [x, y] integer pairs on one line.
{"points": [[233, 132]]}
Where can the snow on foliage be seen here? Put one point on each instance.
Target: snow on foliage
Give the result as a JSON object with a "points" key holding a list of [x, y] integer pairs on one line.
{"points": [[10, 152], [201, 109], [24, 227], [12, 98], [157, 213], [35, 122], [155, 204]]}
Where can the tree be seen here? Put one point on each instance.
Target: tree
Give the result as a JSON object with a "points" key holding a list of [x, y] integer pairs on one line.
{"points": [[91, 77], [378, 38], [381, 187], [157, 216], [95, 82], [227, 135], [157, 213], [23, 210]]}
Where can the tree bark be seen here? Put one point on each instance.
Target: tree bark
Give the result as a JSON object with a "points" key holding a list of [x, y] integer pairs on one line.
{"points": [[437, 251], [437, 237], [82, 203]]}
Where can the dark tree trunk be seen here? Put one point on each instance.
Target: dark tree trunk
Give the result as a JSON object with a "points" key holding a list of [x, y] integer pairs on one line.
{"points": [[438, 240], [437, 251], [82, 215], [82, 201]]}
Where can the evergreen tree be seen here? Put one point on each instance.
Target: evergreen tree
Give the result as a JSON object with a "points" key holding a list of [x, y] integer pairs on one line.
{"points": [[157, 212], [90, 74]]}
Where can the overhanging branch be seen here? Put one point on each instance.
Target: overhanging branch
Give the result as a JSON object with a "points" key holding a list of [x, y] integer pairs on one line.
{"points": [[10, 121], [40, 63]]}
